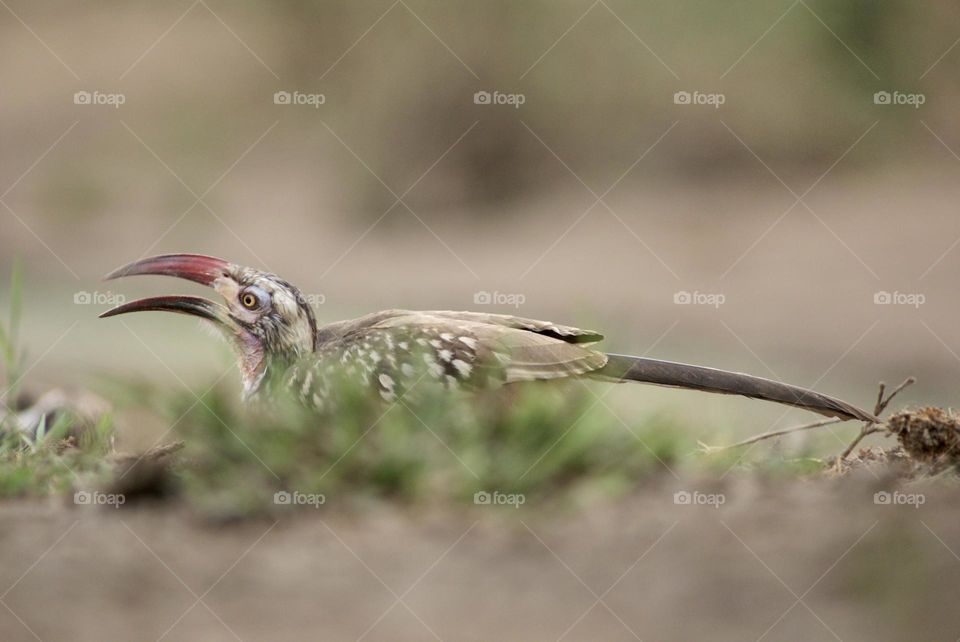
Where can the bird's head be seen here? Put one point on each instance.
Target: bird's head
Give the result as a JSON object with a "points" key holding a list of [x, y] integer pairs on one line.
{"points": [[266, 319]]}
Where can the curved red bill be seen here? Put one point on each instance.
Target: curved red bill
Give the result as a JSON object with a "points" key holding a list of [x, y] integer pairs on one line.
{"points": [[193, 267]]}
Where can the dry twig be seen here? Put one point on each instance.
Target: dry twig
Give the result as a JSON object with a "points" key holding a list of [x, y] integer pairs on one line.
{"points": [[870, 427], [153, 454], [771, 434]]}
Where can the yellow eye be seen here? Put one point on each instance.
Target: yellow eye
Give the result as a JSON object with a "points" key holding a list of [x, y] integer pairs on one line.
{"points": [[249, 301]]}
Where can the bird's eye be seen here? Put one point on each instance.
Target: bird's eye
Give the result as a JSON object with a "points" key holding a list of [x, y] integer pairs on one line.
{"points": [[249, 300]]}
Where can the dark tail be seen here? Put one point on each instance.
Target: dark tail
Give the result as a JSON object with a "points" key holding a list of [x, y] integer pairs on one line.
{"points": [[665, 373]]}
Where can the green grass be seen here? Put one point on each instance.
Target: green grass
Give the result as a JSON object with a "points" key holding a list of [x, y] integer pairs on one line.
{"points": [[544, 441], [52, 463], [49, 460], [12, 356]]}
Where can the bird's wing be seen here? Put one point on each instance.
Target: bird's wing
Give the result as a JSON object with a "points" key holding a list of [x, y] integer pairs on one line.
{"points": [[470, 344], [564, 333]]}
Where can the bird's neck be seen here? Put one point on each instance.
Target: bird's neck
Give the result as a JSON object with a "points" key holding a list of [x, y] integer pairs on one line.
{"points": [[259, 370], [253, 368], [252, 361]]}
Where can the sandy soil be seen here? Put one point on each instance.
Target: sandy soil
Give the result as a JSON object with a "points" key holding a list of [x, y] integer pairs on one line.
{"points": [[860, 571]]}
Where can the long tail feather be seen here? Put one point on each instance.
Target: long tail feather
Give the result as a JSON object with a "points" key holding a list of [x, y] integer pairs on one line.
{"points": [[665, 373]]}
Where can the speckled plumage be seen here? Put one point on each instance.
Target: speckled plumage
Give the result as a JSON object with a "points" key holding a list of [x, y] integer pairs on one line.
{"points": [[397, 350]]}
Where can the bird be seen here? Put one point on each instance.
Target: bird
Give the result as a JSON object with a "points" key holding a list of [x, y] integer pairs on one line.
{"points": [[273, 330]]}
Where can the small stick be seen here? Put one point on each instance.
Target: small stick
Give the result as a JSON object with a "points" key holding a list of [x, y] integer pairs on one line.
{"points": [[152, 454], [165, 449], [877, 407], [869, 427], [773, 433], [906, 382]]}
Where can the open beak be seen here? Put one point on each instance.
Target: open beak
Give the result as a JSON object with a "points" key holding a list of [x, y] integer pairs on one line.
{"points": [[192, 267]]}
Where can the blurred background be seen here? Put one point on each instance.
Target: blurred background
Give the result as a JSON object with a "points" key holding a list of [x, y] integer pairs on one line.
{"points": [[765, 187], [768, 187]]}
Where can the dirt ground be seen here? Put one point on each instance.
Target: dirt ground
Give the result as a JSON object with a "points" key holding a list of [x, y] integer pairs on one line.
{"points": [[810, 560]]}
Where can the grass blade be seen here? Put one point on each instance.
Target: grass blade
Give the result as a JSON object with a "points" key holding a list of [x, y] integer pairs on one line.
{"points": [[16, 301], [10, 351]]}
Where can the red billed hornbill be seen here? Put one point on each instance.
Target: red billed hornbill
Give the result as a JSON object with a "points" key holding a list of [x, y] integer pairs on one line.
{"points": [[274, 332]]}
